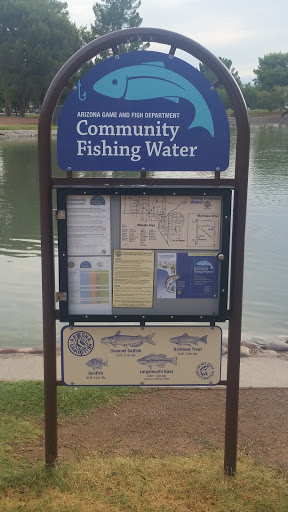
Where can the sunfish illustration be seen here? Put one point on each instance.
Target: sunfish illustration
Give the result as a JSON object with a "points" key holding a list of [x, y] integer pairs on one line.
{"points": [[170, 283], [185, 339], [157, 360], [152, 80], [126, 340], [205, 263], [96, 364]]}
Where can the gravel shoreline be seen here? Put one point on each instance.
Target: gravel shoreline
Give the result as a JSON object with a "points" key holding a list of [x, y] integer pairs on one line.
{"points": [[263, 120], [21, 134]]}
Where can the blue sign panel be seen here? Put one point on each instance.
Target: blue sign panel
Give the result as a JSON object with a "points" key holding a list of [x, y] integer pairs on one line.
{"points": [[195, 277], [198, 276], [143, 110]]}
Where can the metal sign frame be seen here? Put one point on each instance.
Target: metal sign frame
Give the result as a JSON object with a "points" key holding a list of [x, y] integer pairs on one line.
{"points": [[47, 183], [220, 316]]}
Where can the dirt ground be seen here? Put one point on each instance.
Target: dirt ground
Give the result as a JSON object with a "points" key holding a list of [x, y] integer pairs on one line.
{"points": [[14, 120], [179, 422]]}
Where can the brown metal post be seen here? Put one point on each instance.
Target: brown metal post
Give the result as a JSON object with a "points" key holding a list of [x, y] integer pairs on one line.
{"points": [[48, 298], [236, 294]]}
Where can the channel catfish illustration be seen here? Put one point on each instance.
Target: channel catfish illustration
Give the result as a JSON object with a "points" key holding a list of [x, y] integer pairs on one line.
{"points": [[157, 360], [185, 339], [126, 340], [96, 364], [152, 80]]}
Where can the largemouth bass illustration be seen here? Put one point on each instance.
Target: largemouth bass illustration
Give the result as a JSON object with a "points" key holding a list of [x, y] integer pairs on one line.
{"points": [[185, 339], [126, 340], [152, 80], [157, 360], [96, 364]]}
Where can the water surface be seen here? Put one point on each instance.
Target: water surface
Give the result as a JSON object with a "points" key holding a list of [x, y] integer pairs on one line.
{"points": [[266, 276]]}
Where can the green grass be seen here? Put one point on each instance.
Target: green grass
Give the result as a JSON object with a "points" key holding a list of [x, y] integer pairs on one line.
{"points": [[4, 127], [22, 414], [263, 113], [148, 484], [24, 399], [257, 113], [118, 484]]}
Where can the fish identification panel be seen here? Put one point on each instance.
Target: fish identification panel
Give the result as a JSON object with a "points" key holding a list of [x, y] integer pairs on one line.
{"points": [[143, 110], [141, 356]]}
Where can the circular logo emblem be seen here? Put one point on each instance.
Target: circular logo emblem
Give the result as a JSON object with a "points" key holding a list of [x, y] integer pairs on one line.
{"points": [[71, 264], [205, 371], [80, 343]]}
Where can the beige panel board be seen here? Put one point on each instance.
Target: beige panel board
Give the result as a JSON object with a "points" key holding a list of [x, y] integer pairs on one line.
{"points": [[170, 222], [141, 356], [133, 273]]}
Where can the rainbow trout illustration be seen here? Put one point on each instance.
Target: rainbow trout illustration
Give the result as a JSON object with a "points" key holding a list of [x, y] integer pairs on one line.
{"points": [[157, 360], [126, 340], [185, 339], [152, 80], [170, 283]]}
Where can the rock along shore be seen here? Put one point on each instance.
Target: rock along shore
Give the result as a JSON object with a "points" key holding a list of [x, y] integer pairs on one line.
{"points": [[254, 347], [21, 134]]}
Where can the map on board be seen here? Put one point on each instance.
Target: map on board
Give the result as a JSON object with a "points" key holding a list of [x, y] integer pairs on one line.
{"points": [[170, 222]]}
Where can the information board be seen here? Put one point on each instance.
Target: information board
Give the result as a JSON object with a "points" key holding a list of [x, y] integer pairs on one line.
{"points": [[133, 254], [141, 356]]}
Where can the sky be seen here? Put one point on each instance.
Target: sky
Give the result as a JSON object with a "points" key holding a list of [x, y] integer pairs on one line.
{"points": [[240, 30]]}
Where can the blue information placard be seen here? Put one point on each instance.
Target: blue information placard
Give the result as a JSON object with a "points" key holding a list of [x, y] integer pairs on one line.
{"points": [[187, 276], [198, 276], [143, 110]]}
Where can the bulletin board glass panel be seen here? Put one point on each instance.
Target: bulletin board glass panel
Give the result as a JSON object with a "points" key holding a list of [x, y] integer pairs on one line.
{"points": [[144, 253]]}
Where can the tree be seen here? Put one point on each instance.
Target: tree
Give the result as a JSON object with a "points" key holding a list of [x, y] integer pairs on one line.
{"points": [[252, 95], [111, 15], [272, 70], [233, 71], [212, 77], [36, 38]]}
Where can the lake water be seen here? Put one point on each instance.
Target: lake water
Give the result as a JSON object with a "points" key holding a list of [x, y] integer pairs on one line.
{"points": [[265, 304]]}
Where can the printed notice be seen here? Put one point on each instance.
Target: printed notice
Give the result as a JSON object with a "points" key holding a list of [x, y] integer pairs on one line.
{"points": [[187, 276], [88, 225], [170, 222], [89, 285], [141, 356], [133, 279]]}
